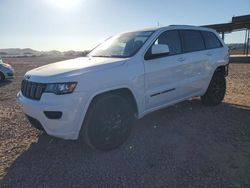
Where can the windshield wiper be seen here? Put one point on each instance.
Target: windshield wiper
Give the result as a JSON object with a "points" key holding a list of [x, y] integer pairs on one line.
{"points": [[115, 56], [100, 56], [119, 56]]}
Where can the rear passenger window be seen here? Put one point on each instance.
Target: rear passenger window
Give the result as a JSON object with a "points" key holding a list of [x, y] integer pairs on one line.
{"points": [[192, 40], [211, 41], [171, 38]]}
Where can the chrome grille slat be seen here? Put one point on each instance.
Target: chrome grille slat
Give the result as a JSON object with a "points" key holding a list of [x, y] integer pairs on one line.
{"points": [[38, 92], [25, 86], [28, 90], [32, 90]]}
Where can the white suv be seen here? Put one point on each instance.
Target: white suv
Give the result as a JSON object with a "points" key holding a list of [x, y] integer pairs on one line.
{"points": [[96, 98]]}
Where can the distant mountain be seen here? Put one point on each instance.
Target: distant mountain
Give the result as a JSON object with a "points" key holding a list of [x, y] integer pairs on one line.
{"points": [[18, 51], [28, 52]]}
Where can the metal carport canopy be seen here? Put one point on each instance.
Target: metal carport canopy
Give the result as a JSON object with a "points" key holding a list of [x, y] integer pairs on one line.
{"points": [[238, 23]]}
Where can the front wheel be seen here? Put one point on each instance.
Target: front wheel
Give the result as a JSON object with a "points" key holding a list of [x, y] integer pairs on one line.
{"points": [[216, 90], [108, 122]]}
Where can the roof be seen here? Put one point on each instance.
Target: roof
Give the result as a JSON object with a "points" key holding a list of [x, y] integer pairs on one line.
{"points": [[171, 27]]}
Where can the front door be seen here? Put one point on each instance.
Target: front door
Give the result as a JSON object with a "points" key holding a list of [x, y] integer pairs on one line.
{"points": [[172, 77]]}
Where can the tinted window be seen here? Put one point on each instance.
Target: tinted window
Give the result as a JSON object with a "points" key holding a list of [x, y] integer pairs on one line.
{"points": [[171, 38], [192, 41], [211, 41]]}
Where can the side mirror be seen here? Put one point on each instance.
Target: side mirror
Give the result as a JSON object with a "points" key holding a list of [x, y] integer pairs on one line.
{"points": [[160, 49], [157, 51]]}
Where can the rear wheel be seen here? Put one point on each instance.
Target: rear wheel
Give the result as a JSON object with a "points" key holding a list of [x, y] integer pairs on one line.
{"points": [[2, 77], [216, 90], [108, 123]]}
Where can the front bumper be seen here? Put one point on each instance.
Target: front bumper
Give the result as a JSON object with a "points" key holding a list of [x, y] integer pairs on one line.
{"points": [[71, 106]]}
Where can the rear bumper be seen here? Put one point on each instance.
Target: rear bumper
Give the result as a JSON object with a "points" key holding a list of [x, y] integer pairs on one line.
{"points": [[71, 106]]}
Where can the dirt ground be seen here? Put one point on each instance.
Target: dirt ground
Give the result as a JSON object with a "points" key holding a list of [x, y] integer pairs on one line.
{"points": [[186, 145]]}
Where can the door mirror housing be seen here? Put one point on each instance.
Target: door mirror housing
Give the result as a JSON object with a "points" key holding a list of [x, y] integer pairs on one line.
{"points": [[157, 51]]}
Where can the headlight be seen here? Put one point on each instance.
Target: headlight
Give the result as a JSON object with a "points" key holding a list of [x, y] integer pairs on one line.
{"points": [[61, 88]]}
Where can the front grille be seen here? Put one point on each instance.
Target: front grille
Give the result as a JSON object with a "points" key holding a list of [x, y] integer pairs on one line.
{"points": [[32, 90]]}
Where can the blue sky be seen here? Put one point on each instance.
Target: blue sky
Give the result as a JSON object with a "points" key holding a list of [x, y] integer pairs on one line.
{"points": [[81, 24]]}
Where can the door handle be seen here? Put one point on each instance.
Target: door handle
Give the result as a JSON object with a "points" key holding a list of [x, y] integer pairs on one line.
{"points": [[181, 59]]}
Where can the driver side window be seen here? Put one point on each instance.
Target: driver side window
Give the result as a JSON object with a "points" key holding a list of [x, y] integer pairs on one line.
{"points": [[172, 39]]}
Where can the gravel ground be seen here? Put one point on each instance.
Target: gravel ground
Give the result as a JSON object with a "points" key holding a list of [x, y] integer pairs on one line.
{"points": [[186, 145]]}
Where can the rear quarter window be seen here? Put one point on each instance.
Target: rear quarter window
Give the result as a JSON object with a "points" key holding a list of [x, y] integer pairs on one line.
{"points": [[211, 40], [191, 41]]}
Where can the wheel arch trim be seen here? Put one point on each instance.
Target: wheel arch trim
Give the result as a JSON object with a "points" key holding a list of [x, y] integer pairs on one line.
{"points": [[100, 92]]}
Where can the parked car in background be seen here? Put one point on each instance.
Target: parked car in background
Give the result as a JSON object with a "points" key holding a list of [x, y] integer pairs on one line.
{"points": [[6, 71], [96, 98]]}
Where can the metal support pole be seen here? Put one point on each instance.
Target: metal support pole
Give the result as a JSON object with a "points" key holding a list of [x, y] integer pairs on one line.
{"points": [[245, 44], [248, 42], [223, 35]]}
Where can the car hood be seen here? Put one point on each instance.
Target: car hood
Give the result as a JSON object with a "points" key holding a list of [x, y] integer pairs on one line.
{"points": [[75, 66]]}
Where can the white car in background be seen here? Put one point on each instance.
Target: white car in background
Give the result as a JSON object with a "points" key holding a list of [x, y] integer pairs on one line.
{"points": [[96, 98], [6, 71]]}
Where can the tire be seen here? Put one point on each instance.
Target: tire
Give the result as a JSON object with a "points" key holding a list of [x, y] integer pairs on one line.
{"points": [[108, 122], [216, 90], [2, 77]]}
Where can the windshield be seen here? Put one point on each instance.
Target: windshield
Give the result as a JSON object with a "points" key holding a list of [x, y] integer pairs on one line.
{"points": [[123, 45]]}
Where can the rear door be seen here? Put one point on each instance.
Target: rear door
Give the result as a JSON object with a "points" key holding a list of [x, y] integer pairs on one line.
{"points": [[195, 62], [214, 53]]}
